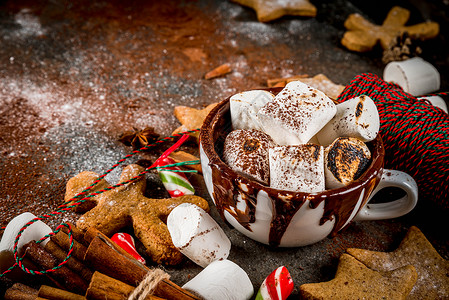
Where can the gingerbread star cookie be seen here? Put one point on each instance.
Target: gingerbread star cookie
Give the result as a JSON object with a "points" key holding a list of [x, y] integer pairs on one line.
{"points": [[126, 206], [354, 280], [416, 250], [191, 118], [269, 10], [362, 35], [181, 156], [320, 82]]}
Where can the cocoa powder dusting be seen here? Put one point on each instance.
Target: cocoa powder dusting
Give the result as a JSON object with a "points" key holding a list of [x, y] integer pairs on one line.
{"points": [[76, 75], [251, 145]]}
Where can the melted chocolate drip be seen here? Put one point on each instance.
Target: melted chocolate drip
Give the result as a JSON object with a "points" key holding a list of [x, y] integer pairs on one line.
{"points": [[228, 185]]}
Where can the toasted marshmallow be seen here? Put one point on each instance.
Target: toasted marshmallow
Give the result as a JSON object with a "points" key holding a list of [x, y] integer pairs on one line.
{"points": [[244, 107], [196, 235], [222, 279], [246, 151], [296, 114], [357, 117], [345, 160], [297, 168]]}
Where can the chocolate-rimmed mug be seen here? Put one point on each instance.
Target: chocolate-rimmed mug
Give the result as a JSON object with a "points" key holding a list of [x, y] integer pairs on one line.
{"points": [[289, 219]]}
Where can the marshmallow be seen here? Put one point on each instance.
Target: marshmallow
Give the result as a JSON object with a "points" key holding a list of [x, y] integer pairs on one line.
{"points": [[34, 232], [296, 114], [244, 107], [222, 280], [357, 117], [297, 168], [415, 76], [345, 160], [246, 151], [437, 101], [197, 235]]}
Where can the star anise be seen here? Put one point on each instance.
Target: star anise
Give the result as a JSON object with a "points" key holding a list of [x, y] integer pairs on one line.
{"points": [[139, 138]]}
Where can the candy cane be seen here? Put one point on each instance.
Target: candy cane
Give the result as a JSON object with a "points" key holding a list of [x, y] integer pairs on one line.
{"points": [[126, 242], [175, 182], [277, 286]]}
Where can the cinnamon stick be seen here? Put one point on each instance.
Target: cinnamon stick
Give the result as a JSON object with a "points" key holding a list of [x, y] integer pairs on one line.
{"points": [[104, 257], [93, 232], [169, 290], [77, 233], [107, 257], [63, 240], [218, 71], [17, 274], [20, 291], [65, 277], [51, 293], [72, 263], [103, 287]]}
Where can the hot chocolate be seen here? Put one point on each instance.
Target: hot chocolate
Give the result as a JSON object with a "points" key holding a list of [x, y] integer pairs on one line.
{"points": [[228, 184]]}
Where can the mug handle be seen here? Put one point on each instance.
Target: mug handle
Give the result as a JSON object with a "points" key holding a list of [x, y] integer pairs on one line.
{"points": [[395, 208]]}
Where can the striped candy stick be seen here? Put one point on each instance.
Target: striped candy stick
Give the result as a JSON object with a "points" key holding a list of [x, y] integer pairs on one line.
{"points": [[126, 242], [175, 183], [277, 286]]}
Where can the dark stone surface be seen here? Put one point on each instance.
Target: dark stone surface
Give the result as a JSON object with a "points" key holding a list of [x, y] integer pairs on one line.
{"points": [[74, 76]]}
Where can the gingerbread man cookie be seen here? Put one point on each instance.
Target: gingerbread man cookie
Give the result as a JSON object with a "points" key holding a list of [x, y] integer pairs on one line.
{"points": [[355, 281], [416, 250], [269, 10], [362, 35], [127, 206]]}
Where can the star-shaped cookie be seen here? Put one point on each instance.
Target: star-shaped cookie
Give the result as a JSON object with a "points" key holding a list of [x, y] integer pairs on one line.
{"points": [[269, 10], [191, 118], [416, 250], [354, 280], [362, 35], [126, 206], [319, 81]]}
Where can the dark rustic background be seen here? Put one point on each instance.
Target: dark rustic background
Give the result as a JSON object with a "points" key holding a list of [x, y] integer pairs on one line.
{"points": [[75, 76]]}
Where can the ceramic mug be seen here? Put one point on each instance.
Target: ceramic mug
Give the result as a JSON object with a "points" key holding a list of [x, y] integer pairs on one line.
{"points": [[290, 219]]}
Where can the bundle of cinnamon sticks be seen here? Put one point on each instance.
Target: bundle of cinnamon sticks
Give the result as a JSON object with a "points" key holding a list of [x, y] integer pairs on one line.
{"points": [[97, 269]]}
